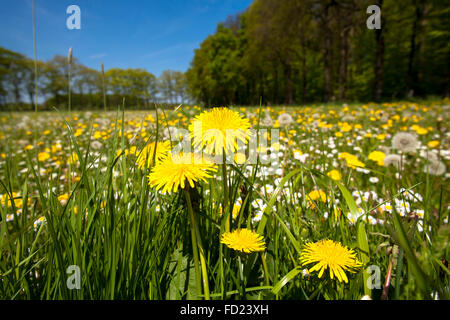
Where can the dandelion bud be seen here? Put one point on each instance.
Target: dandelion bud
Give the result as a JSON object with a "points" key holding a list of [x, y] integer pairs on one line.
{"points": [[69, 56], [101, 68]]}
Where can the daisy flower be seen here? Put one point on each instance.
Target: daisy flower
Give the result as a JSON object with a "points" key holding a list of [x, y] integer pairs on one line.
{"points": [[373, 179]]}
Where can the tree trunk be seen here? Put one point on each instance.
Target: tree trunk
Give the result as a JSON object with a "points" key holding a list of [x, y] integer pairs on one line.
{"points": [[275, 84], [287, 69], [326, 54], [30, 92], [80, 99], [343, 55], [447, 87], [261, 87], [16, 90], [413, 87], [303, 59]]}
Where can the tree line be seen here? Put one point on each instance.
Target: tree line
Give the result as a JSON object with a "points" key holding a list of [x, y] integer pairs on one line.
{"points": [[89, 88], [275, 52], [299, 51]]}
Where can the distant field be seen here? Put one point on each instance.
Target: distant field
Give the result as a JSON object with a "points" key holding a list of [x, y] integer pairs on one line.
{"points": [[73, 193]]}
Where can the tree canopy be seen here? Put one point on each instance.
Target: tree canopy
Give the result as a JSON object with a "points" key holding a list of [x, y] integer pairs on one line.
{"points": [[299, 51]]}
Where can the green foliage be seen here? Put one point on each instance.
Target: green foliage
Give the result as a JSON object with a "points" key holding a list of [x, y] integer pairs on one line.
{"points": [[298, 51]]}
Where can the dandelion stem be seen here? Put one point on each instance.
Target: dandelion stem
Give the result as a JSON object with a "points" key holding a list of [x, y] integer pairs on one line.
{"points": [[266, 271], [241, 276], [194, 242], [225, 192], [197, 248]]}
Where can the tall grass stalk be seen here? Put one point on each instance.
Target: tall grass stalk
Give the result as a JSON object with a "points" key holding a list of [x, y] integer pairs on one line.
{"points": [[102, 69]]}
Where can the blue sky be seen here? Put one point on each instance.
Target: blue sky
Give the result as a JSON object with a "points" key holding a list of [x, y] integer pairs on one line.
{"points": [[154, 34]]}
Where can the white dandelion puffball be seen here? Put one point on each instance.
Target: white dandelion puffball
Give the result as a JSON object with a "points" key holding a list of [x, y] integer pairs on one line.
{"points": [[171, 133], [267, 121], [435, 168], [392, 159], [405, 142], [429, 155], [285, 119]]}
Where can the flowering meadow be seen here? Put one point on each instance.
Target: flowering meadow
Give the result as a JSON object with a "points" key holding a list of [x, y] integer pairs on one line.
{"points": [[294, 203]]}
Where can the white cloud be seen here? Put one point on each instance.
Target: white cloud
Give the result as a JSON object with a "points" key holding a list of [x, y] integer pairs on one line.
{"points": [[97, 56]]}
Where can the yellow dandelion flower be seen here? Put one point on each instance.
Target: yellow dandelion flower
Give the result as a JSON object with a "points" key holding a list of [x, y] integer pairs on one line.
{"points": [[97, 135], [63, 198], [78, 132], [421, 131], [378, 157], [43, 156], [332, 255], [276, 146], [346, 127], [173, 171], [351, 160], [73, 159], [433, 144], [243, 240], [337, 213], [335, 175], [240, 158], [315, 196], [219, 129], [145, 157], [55, 148], [15, 197], [236, 210]]}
